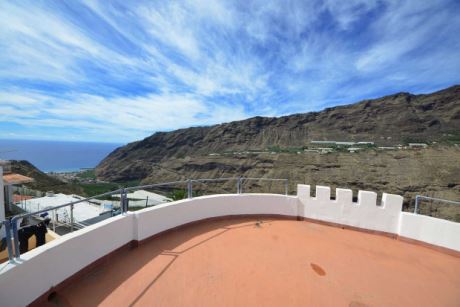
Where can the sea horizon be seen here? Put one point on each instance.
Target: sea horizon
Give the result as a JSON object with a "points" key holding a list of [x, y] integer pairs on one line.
{"points": [[56, 156]]}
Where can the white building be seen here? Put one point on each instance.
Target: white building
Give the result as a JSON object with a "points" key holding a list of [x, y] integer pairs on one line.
{"points": [[142, 198], [81, 211], [323, 142], [345, 143], [418, 145]]}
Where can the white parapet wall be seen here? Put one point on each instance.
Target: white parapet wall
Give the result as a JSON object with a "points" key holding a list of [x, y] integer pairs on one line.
{"points": [[430, 230], [48, 265], [365, 213], [166, 216]]}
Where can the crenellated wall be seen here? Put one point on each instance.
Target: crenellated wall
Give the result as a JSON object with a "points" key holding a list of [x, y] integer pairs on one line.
{"points": [[366, 213]]}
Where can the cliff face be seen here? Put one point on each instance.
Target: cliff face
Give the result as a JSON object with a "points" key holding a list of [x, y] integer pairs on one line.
{"points": [[388, 120]]}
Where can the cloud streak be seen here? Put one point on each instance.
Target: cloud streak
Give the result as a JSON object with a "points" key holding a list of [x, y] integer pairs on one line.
{"points": [[119, 71]]}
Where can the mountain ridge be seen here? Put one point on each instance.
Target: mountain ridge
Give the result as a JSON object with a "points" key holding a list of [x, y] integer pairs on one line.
{"points": [[389, 120]]}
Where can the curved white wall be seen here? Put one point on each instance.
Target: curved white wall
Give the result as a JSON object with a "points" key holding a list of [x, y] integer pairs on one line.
{"points": [[430, 230], [166, 216], [46, 266], [50, 264]]}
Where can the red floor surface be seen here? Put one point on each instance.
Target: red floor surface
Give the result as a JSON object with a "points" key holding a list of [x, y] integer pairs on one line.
{"points": [[250, 262]]}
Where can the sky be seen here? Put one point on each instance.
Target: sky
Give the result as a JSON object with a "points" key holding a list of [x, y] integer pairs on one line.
{"points": [[118, 71]]}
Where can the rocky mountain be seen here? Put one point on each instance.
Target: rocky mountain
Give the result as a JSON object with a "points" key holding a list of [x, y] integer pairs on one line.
{"points": [[434, 171], [389, 120]]}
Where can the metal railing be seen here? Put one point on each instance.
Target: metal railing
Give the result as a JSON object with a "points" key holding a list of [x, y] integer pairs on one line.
{"points": [[11, 226], [421, 197], [189, 182]]}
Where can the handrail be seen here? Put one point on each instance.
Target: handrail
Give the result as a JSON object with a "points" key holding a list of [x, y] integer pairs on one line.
{"points": [[271, 179], [215, 179], [23, 215], [12, 226], [417, 197], [153, 185]]}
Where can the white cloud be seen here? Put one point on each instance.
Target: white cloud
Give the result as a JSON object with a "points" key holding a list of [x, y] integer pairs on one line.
{"points": [[114, 117], [124, 70], [348, 12], [401, 30]]}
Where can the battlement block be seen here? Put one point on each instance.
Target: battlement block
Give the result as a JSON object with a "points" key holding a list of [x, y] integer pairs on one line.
{"points": [[367, 199], [323, 193], [344, 196], [303, 191]]}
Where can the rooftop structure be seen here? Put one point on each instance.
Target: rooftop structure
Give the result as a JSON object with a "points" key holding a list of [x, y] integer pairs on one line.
{"points": [[341, 143], [418, 145], [7, 180], [11, 178], [144, 198], [345, 143], [84, 211], [248, 250]]}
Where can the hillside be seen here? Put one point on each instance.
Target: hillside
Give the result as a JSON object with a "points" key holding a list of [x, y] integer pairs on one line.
{"points": [[43, 182], [389, 120]]}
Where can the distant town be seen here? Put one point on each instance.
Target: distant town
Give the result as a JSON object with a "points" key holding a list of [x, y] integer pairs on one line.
{"points": [[325, 147]]}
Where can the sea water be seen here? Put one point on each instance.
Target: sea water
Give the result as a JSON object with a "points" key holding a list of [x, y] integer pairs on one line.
{"points": [[56, 156]]}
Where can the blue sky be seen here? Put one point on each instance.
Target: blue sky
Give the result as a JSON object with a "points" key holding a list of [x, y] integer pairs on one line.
{"points": [[118, 71]]}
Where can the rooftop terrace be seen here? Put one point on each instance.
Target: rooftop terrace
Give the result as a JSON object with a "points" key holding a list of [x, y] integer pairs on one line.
{"points": [[247, 250], [269, 262]]}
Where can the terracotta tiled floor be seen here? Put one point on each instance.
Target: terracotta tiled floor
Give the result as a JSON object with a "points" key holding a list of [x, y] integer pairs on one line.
{"points": [[247, 262]]}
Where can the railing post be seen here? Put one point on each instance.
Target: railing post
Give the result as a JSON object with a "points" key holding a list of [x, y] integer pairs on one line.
{"points": [[416, 204], [240, 180], [71, 218], [189, 188], [8, 240], [123, 201], [14, 226], [286, 186], [54, 220], [238, 185]]}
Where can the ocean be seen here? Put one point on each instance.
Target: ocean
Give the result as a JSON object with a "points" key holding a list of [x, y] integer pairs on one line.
{"points": [[56, 156]]}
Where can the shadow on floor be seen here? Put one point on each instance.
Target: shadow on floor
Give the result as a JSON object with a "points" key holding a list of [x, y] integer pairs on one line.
{"points": [[123, 265]]}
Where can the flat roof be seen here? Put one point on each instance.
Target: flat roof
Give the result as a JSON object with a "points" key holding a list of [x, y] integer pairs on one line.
{"points": [[81, 211], [269, 262]]}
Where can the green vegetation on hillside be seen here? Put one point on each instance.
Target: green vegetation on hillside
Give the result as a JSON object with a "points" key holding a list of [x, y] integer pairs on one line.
{"points": [[87, 174], [91, 189]]}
